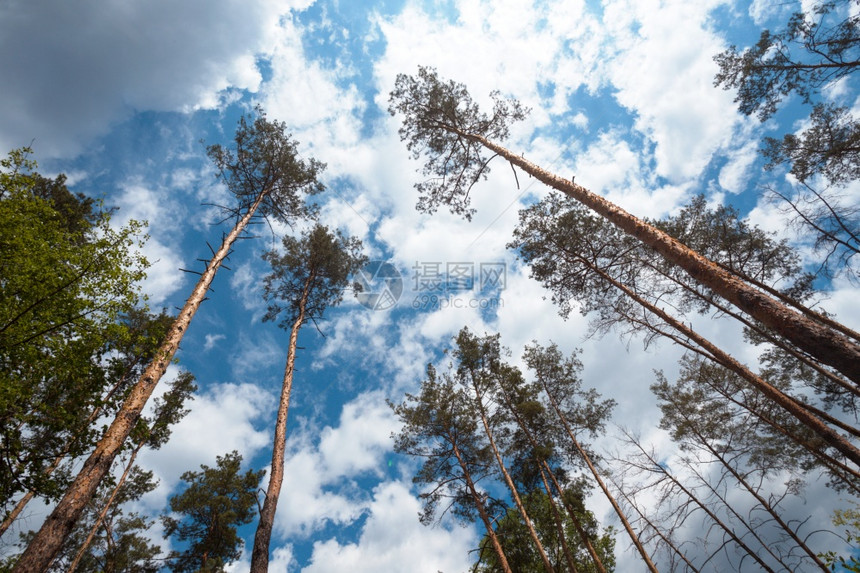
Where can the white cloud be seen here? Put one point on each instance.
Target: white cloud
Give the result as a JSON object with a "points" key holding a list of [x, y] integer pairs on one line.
{"points": [[211, 341], [164, 214], [91, 64], [664, 75], [392, 539], [255, 353], [222, 419], [734, 176], [318, 475]]}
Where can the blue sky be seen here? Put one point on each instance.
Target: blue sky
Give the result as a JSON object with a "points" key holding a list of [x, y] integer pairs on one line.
{"points": [[118, 96]]}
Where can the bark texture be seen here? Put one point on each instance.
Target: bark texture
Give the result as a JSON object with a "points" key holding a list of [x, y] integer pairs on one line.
{"points": [[48, 541], [263, 536], [827, 345]]}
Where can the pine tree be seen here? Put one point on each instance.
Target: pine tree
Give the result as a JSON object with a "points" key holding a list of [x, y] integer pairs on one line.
{"points": [[579, 256], [440, 429], [266, 178], [206, 515], [310, 276], [441, 122]]}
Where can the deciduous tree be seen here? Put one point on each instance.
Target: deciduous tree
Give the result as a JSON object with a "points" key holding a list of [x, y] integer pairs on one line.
{"points": [[67, 280]]}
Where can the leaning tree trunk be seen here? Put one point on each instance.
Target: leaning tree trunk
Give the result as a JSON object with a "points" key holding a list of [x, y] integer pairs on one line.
{"points": [[27, 497], [95, 528], [715, 353], [482, 511], [764, 503], [826, 345], [47, 543], [510, 482], [260, 554], [599, 480], [734, 537]]}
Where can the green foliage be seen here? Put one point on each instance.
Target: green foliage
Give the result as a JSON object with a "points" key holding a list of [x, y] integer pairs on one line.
{"points": [[121, 543], [440, 121], [519, 548], [440, 428], [66, 280], [712, 405], [813, 51], [266, 161], [154, 431], [849, 518], [312, 271], [829, 146], [216, 501]]}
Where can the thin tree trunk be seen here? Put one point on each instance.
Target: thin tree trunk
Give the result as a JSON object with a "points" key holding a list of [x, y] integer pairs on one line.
{"points": [[768, 335], [788, 404], [767, 547], [633, 537], [577, 523], [507, 477], [571, 563], [669, 543], [826, 345], [655, 467], [49, 539], [107, 506], [763, 502], [263, 536], [482, 511], [541, 464]]}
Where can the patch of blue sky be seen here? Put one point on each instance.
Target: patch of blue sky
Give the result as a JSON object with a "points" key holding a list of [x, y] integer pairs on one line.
{"points": [[733, 23], [346, 41], [599, 108]]}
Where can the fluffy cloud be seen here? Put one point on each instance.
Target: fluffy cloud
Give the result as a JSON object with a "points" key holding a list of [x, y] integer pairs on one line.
{"points": [[664, 75], [414, 547], [93, 63], [222, 419], [319, 475]]}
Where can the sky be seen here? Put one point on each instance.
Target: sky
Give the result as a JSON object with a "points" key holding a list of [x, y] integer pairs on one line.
{"points": [[123, 96]]}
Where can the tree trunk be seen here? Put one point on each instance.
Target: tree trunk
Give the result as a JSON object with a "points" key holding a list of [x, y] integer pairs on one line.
{"points": [[594, 472], [787, 403], [669, 543], [260, 555], [571, 563], [762, 501], [655, 467], [27, 497], [577, 523], [49, 539], [826, 345], [103, 512], [541, 464], [507, 477], [482, 511], [768, 335]]}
